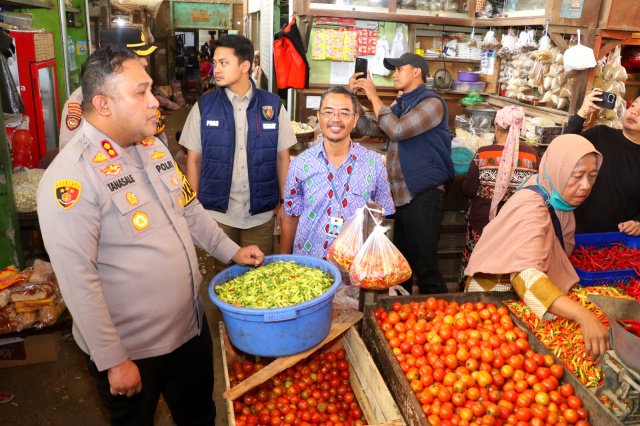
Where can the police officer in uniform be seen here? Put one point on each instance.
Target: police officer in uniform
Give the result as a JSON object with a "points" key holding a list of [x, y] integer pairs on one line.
{"points": [[119, 221], [131, 38]]}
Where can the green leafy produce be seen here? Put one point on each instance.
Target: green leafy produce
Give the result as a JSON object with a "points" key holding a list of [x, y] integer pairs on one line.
{"points": [[275, 285]]}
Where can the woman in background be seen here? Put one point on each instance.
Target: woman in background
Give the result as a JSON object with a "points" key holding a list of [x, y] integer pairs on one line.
{"points": [[494, 174], [526, 247]]}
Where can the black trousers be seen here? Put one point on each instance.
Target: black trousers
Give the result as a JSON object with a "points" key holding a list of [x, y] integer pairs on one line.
{"points": [[184, 377], [416, 231]]}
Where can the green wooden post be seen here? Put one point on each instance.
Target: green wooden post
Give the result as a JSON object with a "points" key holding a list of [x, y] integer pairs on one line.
{"points": [[10, 244]]}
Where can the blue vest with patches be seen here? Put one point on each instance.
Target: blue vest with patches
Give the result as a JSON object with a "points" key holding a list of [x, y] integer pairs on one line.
{"points": [[218, 135], [425, 159]]}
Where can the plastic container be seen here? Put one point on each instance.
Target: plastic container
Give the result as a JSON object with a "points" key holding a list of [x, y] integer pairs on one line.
{"points": [[482, 114], [461, 156], [281, 331], [468, 86], [602, 240], [468, 76]]}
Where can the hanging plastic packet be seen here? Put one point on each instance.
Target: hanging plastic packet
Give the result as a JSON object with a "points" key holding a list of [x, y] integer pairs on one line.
{"points": [[579, 57], [490, 41], [472, 38], [348, 242], [379, 265]]}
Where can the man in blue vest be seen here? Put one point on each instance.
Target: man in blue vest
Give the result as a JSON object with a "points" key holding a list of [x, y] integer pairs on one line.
{"points": [[418, 160], [237, 141]]}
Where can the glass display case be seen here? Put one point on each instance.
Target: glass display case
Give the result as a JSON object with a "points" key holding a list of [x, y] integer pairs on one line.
{"points": [[360, 5], [524, 7], [431, 7]]}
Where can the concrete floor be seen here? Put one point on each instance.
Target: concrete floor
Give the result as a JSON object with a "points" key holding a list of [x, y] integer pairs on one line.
{"points": [[62, 392]]}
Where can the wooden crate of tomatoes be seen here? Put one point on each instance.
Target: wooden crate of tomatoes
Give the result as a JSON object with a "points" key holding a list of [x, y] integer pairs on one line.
{"points": [[338, 384], [463, 359]]}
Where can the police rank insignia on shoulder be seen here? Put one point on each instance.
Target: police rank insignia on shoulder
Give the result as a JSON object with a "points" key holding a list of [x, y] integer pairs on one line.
{"points": [[267, 112], [67, 193], [109, 149], [148, 142]]}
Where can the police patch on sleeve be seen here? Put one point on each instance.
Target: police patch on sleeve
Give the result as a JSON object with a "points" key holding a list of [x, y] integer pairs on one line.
{"points": [[188, 193], [67, 193], [74, 116]]}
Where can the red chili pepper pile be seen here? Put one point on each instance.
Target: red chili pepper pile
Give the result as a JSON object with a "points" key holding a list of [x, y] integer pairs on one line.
{"points": [[564, 338], [616, 256], [632, 288], [631, 326]]}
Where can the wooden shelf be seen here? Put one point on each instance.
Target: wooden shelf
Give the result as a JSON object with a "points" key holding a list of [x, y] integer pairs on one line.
{"points": [[27, 3], [421, 18], [554, 114], [454, 60]]}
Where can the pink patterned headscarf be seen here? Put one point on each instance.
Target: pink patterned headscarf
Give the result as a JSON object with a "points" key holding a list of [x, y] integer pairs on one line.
{"points": [[512, 118]]}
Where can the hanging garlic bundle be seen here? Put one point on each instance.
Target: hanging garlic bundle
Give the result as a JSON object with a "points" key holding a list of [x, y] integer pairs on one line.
{"points": [[610, 76]]}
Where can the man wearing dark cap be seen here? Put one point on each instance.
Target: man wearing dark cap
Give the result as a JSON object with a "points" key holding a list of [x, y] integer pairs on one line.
{"points": [[418, 160], [134, 40]]}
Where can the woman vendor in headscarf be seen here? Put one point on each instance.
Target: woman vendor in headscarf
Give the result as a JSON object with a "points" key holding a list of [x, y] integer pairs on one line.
{"points": [[495, 173], [526, 246]]}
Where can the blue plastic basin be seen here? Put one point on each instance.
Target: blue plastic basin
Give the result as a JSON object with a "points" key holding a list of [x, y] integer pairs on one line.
{"points": [[280, 331]]}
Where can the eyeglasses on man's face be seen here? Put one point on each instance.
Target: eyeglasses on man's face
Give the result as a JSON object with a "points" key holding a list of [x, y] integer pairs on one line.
{"points": [[343, 114]]}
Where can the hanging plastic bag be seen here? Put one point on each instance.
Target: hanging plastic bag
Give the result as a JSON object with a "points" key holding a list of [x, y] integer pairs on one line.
{"points": [[579, 57], [379, 264], [376, 63], [348, 242], [399, 44]]}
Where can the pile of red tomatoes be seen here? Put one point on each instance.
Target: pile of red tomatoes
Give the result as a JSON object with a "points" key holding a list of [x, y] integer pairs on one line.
{"points": [[316, 391], [468, 364]]}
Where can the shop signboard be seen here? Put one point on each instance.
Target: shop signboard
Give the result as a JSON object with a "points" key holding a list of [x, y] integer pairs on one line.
{"points": [[202, 15]]}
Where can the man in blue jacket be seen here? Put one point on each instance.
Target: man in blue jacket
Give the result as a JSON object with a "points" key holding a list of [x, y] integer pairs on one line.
{"points": [[238, 140], [418, 160]]}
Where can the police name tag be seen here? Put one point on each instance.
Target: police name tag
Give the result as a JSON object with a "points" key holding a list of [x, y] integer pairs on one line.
{"points": [[269, 126], [213, 123]]}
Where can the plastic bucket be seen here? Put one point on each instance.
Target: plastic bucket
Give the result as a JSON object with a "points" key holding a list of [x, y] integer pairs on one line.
{"points": [[461, 156], [281, 331]]}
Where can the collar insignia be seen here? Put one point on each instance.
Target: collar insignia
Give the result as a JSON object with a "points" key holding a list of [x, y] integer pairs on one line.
{"points": [[157, 155], [99, 157]]}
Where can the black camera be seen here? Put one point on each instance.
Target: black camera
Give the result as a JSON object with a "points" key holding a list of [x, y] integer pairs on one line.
{"points": [[608, 100]]}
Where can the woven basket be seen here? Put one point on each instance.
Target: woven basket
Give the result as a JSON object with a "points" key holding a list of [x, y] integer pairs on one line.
{"points": [[480, 4]]}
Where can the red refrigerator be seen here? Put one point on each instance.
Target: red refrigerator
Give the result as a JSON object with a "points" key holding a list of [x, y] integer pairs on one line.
{"points": [[38, 86]]}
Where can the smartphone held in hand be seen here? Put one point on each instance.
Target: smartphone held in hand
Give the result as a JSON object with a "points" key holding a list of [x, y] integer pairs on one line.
{"points": [[608, 100], [361, 66]]}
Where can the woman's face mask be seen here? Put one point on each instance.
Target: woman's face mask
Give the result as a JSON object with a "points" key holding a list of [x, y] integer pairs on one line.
{"points": [[578, 186]]}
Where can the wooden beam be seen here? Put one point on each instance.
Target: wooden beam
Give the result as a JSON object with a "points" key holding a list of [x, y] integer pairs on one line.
{"points": [[338, 326], [559, 41], [556, 115]]}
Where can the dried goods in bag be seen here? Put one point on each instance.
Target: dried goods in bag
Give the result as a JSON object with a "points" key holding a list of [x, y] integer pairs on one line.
{"points": [[379, 264], [348, 242]]}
